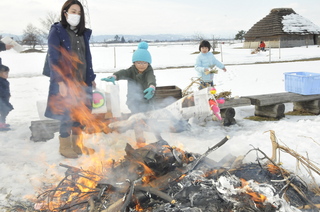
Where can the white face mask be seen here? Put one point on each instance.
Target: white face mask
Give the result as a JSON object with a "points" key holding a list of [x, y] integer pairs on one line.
{"points": [[73, 19]]}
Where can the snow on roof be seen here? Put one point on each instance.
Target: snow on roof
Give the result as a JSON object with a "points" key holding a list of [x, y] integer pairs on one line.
{"points": [[295, 23]]}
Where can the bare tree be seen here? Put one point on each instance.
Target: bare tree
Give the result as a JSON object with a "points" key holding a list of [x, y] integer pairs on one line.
{"points": [[214, 43], [31, 36], [46, 23], [198, 36]]}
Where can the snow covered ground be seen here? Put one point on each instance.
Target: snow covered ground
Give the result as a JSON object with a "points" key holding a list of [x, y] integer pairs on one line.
{"points": [[25, 166]]}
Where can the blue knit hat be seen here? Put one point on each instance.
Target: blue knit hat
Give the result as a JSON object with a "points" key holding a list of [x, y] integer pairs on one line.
{"points": [[142, 53]]}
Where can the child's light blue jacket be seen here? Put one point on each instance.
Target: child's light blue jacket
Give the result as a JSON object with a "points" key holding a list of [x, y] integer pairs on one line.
{"points": [[203, 62]]}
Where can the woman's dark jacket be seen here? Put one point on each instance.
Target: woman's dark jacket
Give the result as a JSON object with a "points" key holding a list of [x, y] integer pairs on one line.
{"points": [[59, 51]]}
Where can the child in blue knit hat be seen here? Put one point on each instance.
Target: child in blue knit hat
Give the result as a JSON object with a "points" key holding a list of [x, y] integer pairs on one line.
{"points": [[141, 83]]}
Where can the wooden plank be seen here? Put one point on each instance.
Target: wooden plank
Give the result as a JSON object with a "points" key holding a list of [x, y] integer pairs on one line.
{"points": [[278, 98], [235, 103]]}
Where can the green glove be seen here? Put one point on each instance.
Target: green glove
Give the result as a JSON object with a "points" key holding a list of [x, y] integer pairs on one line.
{"points": [[149, 93], [109, 79]]}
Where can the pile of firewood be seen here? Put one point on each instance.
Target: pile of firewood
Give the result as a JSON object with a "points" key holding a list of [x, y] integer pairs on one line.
{"points": [[159, 177]]}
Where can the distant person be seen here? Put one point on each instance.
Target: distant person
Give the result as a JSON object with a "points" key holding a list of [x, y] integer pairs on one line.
{"points": [[204, 64], [262, 46], [5, 105], [71, 77], [141, 84]]}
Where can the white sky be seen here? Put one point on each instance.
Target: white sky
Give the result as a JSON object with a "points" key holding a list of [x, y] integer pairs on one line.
{"points": [[223, 19]]}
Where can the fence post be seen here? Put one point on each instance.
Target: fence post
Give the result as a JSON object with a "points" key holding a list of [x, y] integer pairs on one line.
{"points": [[269, 54], [221, 52], [280, 48], [114, 57]]}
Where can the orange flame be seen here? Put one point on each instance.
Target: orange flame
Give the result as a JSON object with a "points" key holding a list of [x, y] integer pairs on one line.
{"points": [[148, 174], [212, 172], [76, 104], [273, 169], [76, 101], [256, 197]]}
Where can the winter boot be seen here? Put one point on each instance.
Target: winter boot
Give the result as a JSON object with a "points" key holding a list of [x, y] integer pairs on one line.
{"points": [[65, 148], [78, 147]]}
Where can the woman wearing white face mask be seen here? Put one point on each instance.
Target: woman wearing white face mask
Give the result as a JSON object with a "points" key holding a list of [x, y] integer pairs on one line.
{"points": [[71, 77]]}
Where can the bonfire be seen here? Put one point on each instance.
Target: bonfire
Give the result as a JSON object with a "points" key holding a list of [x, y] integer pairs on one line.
{"points": [[159, 177]]}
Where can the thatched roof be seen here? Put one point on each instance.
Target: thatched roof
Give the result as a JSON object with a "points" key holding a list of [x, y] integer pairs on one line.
{"points": [[282, 21]]}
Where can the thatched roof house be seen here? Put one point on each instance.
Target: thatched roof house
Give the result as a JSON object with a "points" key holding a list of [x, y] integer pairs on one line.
{"points": [[283, 27]]}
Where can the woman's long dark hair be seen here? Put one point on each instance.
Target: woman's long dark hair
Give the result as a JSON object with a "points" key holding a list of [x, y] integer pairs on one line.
{"points": [[82, 25]]}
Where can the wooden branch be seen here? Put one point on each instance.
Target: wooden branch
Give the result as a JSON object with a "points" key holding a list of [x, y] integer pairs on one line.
{"points": [[128, 197], [76, 183], [91, 203], [275, 145], [309, 206], [114, 207], [299, 157], [186, 91], [193, 165], [156, 192]]}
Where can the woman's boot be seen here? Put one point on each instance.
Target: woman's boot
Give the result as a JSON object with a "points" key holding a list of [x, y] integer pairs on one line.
{"points": [[78, 147], [65, 148]]}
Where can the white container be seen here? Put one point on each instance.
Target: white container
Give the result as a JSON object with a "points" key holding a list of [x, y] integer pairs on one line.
{"points": [[9, 41], [110, 100]]}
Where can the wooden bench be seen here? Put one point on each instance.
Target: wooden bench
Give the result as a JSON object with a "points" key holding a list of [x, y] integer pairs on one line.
{"points": [[272, 105]]}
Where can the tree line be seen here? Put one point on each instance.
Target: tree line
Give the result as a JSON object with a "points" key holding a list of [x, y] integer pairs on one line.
{"points": [[33, 36]]}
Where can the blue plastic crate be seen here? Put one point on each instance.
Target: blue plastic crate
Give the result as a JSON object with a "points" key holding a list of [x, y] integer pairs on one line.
{"points": [[305, 83]]}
